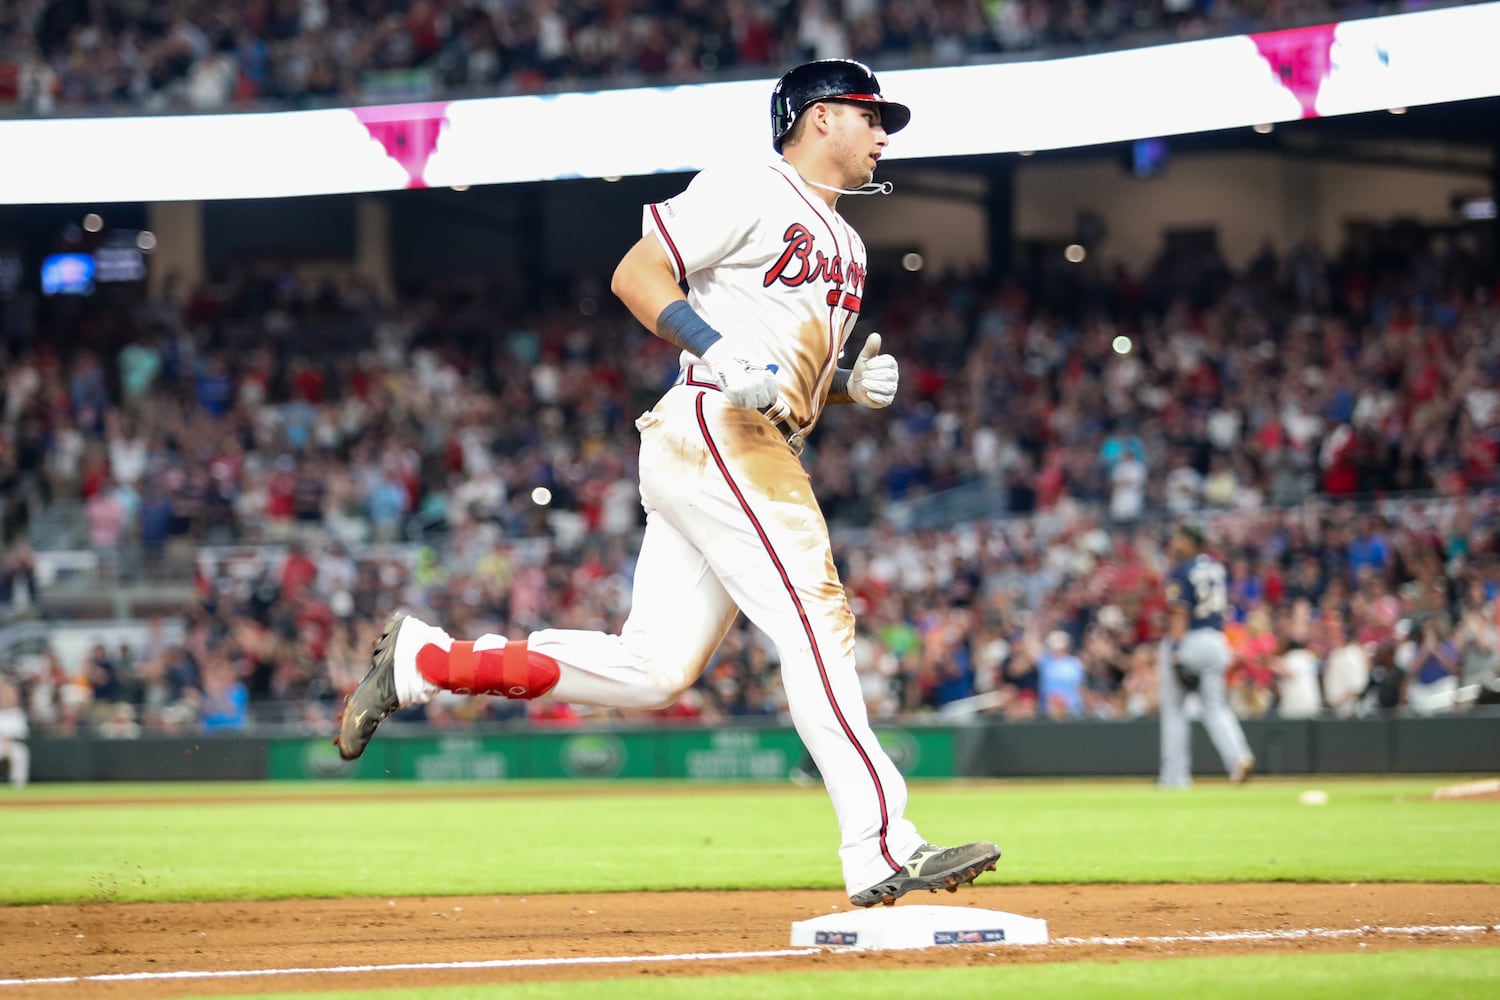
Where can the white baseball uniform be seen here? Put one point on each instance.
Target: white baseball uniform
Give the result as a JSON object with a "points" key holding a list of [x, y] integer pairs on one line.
{"points": [[731, 520]]}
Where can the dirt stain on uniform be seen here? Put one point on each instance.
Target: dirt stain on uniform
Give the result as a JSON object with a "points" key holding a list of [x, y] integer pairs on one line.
{"points": [[684, 454], [760, 457], [812, 361]]}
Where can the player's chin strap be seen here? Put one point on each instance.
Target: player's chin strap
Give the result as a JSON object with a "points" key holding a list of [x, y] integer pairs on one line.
{"points": [[874, 187]]}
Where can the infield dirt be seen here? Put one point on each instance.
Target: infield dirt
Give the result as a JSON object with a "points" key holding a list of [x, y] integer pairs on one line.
{"points": [[94, 938]]}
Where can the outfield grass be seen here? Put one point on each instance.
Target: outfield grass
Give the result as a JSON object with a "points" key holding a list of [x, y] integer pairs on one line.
{"points": [[327, 840], [1453, 974]]}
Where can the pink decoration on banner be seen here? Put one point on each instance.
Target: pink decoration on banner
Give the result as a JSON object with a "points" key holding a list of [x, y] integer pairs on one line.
{"points": [[1301, 58], [408, 133]]}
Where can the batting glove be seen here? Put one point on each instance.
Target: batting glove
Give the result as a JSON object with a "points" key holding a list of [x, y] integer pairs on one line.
{"points": [[747, 385], [873, 379]]}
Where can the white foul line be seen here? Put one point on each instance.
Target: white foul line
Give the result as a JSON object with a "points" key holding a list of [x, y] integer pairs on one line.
{"points": [[1298, 934], [1321, 933], [497, 963]]}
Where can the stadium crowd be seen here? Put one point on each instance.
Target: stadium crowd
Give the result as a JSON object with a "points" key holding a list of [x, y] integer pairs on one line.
{"points": [[61, 55], [477, 463], [1336, 611]]}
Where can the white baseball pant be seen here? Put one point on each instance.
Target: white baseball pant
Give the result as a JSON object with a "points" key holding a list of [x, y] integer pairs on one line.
{"points": [[732, 524]]}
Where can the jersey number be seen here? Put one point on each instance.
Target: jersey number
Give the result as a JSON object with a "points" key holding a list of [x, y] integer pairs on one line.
{"points": [[1210, 589]]}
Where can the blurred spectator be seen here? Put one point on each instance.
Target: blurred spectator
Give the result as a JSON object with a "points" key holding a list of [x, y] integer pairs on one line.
{"points": [[1298, 693], [1346, 671], [1433, 673], [18, 588], [1252, 675], [139, 365], [1479, 661], [1106, 665], [225, 702], [1386, 690], [1140, 688], [1128, 481], [107, 516], [1183, 487], [14, 729], [120, 723], [102, 676], [1060, 678]]}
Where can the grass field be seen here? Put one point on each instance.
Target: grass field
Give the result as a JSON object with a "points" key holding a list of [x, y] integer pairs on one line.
{"points": [[254, 841], [1453, 975], [177, 842]]}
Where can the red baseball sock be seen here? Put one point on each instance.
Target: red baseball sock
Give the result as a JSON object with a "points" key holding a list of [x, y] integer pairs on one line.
{"points": [[512, 671]]}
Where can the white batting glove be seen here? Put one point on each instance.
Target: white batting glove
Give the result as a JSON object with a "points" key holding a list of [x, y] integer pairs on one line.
{"points": [[873, 379], [745, 384]]}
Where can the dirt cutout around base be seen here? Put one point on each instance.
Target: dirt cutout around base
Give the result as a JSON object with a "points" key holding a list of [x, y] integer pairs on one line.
{"points": [[91, 939], [1485, 790]]}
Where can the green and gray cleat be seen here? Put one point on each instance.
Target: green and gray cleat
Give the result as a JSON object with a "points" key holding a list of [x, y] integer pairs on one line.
{"points": [[932, 868], [374, 698]]}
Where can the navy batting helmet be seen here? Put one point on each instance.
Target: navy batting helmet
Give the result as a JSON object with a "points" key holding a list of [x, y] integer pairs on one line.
{"points": [[829, 80], [1193, 534]]}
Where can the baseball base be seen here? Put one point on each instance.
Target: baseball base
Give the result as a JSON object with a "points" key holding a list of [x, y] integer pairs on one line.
{"points": [[892, 928]]}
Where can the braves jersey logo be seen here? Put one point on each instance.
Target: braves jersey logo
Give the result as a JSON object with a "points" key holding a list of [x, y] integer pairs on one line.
{"points": [[800, 263]]}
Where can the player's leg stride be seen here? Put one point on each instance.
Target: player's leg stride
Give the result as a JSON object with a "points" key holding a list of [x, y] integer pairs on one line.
{"points": [[413, 660], [932, 868], [732, 523]]}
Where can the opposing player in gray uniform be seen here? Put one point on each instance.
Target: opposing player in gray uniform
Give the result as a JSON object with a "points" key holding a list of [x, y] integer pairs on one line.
{"points": [[1195, 657]]}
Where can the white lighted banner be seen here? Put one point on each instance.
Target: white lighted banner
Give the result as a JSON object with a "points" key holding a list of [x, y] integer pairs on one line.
{"points": [[1400, 61]]}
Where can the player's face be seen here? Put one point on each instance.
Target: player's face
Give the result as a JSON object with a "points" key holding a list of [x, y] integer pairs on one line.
{"points": [[858, 139]]}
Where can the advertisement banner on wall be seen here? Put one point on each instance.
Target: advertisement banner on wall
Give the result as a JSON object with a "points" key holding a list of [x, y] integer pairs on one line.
{"points": [[319, 760], [455, 758], [596, 755], [591, 755], [732, 754]]}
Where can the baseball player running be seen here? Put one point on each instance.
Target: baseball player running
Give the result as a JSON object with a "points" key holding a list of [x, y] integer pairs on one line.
{"points": [[775, 278], [1195, 657]]}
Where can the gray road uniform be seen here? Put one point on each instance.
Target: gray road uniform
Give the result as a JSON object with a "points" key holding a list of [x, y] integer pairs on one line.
{"points": [[1200, 587]]}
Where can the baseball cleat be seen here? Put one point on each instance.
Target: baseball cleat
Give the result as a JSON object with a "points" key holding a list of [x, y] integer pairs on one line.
{"points": [[1242, 770], [932, 868], [374, 698]]}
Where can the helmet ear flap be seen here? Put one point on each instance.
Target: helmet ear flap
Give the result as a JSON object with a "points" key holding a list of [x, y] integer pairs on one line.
{"points": [[783, 115]]}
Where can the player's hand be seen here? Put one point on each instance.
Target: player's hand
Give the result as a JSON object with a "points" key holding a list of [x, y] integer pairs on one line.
{"points": [[745, 384], [873, 379]]}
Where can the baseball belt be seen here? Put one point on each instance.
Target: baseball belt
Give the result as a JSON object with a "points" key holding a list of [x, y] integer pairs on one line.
{"points": [[701, 377]]}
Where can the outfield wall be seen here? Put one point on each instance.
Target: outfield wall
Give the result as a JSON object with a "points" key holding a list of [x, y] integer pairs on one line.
{"points": [[1468, 744]]}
